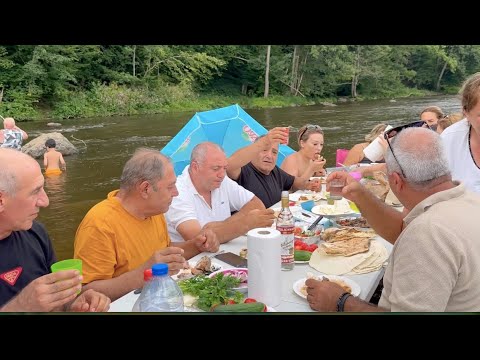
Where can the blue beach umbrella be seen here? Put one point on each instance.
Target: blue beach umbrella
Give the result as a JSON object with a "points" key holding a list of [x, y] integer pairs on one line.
{"points": [[230, 127]]}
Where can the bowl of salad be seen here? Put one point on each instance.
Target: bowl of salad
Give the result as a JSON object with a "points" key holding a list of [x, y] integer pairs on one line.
{"points": [[309, 237]]}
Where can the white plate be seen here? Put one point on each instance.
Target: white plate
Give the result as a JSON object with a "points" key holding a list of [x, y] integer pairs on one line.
{"points": [[331, 210], [302, 262], [356, 289]]}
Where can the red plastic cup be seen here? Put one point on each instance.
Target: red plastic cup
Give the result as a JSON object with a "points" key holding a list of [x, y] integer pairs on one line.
{"points": [[287, 133]]}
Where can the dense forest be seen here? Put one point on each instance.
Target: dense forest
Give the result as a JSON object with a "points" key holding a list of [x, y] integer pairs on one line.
{"points": [[65, 81]]}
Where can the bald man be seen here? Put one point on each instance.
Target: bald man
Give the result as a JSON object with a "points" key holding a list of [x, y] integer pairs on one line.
{"points": [[12, 136], [207, 198], [26, 252]]}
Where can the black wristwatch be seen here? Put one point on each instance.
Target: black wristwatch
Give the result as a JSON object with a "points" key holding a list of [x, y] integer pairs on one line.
{"points": [[341, 301]]}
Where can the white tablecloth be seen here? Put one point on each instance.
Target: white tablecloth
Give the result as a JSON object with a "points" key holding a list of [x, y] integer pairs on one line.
{"points": [[291, 302]]}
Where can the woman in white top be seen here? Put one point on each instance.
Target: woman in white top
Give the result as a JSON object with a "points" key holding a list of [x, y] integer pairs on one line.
{"points": [[462, 139]]}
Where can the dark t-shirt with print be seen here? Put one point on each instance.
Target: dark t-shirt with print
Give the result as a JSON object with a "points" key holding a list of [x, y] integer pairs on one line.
{"points": [[267, 188], [24, 256]]}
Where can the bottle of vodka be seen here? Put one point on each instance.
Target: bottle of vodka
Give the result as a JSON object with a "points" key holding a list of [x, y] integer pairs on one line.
{"points": [[286, 226]]}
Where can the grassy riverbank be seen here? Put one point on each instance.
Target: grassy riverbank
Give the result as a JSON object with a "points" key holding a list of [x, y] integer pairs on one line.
{"points": [[117, 100]]}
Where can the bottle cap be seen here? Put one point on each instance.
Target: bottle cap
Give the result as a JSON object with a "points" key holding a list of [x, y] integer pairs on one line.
{"points": [[147, 274], [159, 269]]}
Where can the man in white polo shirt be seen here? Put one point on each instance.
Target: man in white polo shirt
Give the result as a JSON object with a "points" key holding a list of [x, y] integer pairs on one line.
{"points": [[207, 198]]}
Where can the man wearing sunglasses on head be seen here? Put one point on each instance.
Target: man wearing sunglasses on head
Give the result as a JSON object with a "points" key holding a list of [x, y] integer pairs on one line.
{"points": [[434, 263]]}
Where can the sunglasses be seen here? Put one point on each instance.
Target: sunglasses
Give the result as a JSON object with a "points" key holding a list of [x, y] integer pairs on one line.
{"points": [[309, 127], [392, 132]]}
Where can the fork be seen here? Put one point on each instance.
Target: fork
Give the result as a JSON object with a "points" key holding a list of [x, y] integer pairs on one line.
{"points": [[315, 223]]}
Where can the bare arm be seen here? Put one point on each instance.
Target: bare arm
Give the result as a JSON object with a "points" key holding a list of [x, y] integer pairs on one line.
{"points": [[355, 155], [62, 162], [45, 160], [253, 214], [385, 220], [324, 295], [290, 165], [246, 154]]}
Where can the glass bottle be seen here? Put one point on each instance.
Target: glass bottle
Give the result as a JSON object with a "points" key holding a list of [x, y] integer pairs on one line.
{"points": [[286, 226]]}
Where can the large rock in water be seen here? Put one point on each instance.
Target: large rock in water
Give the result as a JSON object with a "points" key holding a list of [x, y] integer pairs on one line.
{"points": [[36, 147]]}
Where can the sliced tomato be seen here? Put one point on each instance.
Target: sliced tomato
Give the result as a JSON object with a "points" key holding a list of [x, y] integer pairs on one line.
{"points": [[297, 242], [230, 302], [249, 300], [312, 248], [298, 247], [304, 247]]}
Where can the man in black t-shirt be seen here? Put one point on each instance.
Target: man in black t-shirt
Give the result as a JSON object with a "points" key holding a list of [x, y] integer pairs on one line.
{"points": [[26, 252], [254, 167]]}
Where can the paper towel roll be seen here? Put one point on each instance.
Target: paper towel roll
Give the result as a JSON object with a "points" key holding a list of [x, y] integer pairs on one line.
{"points": [[264, 265]]}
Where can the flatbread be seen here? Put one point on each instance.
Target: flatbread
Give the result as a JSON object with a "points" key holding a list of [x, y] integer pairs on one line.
{"points": [[362, 263], [332, 235], [349, 247], [334, 265]]}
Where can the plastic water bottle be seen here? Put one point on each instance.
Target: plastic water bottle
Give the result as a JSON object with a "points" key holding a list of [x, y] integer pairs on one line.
{"points": [[147, 276], [161, 294]]}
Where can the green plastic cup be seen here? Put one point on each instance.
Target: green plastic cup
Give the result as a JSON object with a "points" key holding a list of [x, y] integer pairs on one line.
{"points": [[69, 264]]}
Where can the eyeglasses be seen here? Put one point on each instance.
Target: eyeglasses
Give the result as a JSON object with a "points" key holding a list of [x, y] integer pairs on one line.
{"points": [[392, 132], [309, 127]]}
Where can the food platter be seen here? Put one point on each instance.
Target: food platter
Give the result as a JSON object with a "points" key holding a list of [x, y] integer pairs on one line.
{"points": [[333, 211]]}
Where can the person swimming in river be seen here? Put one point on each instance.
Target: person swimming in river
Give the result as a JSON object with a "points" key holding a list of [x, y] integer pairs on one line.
{"points": [[53, 159]]}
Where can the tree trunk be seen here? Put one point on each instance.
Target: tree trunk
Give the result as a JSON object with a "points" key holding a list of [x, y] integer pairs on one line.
{"points": [[294, 70], [1, 95], [267, 72], [356, 74], [441, 76], [134, 52], [299, 83]]}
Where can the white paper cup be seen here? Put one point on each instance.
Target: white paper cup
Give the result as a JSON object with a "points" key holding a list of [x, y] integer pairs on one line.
{"points": [[375, 151]]}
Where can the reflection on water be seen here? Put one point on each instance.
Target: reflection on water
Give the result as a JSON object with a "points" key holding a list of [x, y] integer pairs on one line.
{"points": [[55, 189], [105, 144]]}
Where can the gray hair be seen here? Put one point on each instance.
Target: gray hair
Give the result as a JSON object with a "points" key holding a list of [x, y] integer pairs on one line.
{"points": [[145, 165], [9, 160], [423, 162], [8, 181], [199, 152]]}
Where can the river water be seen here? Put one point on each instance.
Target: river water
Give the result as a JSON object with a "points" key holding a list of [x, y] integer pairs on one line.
{"points": [[105, 144]]}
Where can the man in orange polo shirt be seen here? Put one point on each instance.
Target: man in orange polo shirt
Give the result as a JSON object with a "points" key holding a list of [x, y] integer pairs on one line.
{"points": [[125, 234]]}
